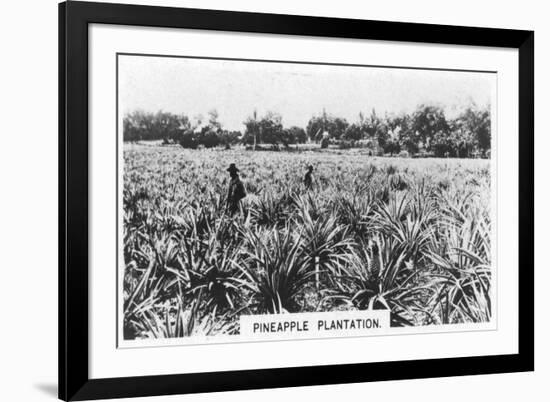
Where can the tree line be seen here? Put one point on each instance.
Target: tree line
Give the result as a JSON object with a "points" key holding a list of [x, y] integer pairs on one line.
{"points": [[427, 129]]}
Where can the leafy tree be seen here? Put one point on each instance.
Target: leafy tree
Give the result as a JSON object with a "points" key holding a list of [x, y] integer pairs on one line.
{"points": [[189, 139], [272, 128], [443, 144], [373, 125], [165, 126], [477, 124], [268, 130], [354, 132], [131, 128], [297, 134], [377, 128], [392, 147], [137, 125], [317, 125], [213, 120], [403, 134], [426, 122], [209, 136], [229, 138], [462, 141], [168, 126], [338, 127]]}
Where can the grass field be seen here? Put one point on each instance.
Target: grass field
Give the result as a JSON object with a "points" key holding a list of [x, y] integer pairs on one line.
{"points": [[409, 235]]}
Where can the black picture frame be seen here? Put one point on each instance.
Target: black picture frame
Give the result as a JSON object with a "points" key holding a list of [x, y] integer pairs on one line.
{"points": [[74, 18]]}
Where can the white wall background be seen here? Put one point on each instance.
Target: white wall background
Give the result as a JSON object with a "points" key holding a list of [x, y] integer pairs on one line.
{"points": [[28, 198]]}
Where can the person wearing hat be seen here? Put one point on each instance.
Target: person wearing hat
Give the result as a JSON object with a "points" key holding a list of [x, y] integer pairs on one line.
{"points": [[236, 190], [308, 178]]}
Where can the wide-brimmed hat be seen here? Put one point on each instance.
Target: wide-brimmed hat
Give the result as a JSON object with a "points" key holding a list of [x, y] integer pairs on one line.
{"points": [[232, 168]]}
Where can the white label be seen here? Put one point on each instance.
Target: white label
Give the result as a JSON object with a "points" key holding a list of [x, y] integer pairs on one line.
{"points": [[315, 325]]}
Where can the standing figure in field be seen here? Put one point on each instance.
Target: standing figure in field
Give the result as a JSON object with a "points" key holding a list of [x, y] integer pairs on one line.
{"points": [[308, 178], [236, 190]]}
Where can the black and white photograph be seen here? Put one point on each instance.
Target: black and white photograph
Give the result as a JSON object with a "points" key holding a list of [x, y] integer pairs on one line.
{"points": [[282, 199], [256, 200]]}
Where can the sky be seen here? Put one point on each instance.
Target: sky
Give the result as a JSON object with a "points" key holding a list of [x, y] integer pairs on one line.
{"points": [[296, 91]]}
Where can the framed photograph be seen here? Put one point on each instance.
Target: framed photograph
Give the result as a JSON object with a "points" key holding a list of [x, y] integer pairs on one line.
{"points": [[256, 200]]}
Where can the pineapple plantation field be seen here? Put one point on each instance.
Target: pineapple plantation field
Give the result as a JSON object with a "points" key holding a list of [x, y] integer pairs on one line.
{"points": [[409, 235]]}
